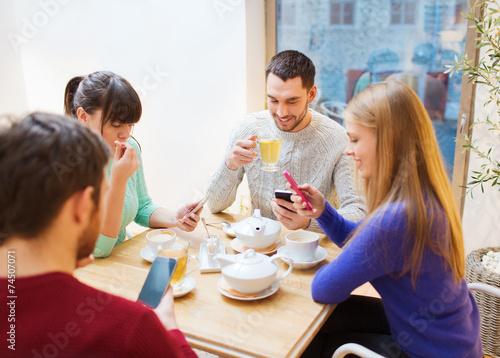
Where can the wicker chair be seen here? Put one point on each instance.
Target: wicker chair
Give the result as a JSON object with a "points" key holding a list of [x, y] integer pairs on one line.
{"points": [[489, 307], [363, 352]]}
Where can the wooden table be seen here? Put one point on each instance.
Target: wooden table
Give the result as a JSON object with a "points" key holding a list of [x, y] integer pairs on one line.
{"points": [[281, 325]]}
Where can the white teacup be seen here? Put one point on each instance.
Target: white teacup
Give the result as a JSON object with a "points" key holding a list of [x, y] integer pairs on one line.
{"points": [[160, 239], [301, 245]]}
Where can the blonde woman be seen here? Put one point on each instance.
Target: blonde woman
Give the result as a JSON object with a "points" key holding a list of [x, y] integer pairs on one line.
{"points": [[409, 247]]}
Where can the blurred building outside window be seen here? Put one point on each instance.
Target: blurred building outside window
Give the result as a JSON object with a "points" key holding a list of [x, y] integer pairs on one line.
{"points": [[341, 12], [359, 42]]}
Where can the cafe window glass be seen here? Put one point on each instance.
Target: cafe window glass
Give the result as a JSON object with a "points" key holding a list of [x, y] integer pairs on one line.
{"points": [[286, 12], [349, 58], [403, 12], [341, 12]]}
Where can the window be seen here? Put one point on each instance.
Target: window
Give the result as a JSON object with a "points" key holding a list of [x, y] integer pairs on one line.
{"points": [[349, 58], [341, 12], [402, 12], [285, 12]]}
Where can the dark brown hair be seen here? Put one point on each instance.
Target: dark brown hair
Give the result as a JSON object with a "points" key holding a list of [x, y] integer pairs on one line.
{"points": [[106, 91], [290, 64], [45, 159]]}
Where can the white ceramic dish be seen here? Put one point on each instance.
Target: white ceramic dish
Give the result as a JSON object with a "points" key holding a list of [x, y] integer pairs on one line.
{"points": [[186, 287], [266, 293], [229, 231], [206, 264], [236, 245], [319, 256], [147, 254]]}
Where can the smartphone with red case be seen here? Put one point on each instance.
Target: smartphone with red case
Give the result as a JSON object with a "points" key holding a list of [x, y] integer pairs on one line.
{"points": [[295, 187]]}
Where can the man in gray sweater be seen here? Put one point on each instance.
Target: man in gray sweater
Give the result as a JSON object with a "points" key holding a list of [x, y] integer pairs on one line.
{"points": [[312, 149]]}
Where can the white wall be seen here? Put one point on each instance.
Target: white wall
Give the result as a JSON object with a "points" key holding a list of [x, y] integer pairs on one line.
{"points": [[187, 60], [481, 218], [13, 98]]}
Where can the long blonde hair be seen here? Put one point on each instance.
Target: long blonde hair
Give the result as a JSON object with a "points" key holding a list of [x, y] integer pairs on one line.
{"points": [[409, 170]]}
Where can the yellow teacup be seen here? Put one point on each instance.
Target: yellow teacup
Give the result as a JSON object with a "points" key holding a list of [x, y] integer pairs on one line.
{"points": [[179, 252], [270, 153]]}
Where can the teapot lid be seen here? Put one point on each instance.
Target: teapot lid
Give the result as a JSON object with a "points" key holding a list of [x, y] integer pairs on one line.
{"points": [[256, 225], [251, 265], [256, 220], [250, 257]]}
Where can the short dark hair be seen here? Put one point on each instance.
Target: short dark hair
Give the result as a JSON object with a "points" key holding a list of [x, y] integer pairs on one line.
{"points": [[45, 159], [290, 64], [104, 90]]}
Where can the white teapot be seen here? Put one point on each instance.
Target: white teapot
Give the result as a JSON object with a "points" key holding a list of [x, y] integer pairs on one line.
{"points": [[257, 232], [250, 272]]}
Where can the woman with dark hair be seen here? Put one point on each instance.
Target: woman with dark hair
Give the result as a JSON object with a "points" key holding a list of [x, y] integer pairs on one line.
{"points": [[108, 104], [409, 247]]}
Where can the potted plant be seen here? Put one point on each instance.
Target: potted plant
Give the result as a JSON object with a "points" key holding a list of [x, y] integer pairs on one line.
{"points": [[486, 73], [485, 18]]}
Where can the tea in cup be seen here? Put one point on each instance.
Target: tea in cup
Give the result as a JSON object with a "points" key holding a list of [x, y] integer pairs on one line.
{"points": [[270, 153], [302, 245], [160, 239], [180, 252]]}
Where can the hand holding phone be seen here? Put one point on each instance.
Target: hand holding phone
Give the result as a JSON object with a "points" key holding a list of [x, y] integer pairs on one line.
{"points": [[283, 194], [295, 187], [157, 281], [197, 207]]}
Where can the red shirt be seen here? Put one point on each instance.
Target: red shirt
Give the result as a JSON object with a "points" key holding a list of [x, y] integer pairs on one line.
{"points": [[55, 315]]}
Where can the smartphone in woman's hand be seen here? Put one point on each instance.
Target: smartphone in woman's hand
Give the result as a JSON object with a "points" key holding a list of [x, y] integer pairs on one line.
{"points": [[197, 207], [295, 187]]}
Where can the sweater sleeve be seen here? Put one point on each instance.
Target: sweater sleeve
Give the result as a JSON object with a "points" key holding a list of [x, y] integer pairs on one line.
{"points": [[223, 187], [148, 338], [146, 205], [224, 183], [336, 227], [104, 245], [374, 252], [314, 226]]}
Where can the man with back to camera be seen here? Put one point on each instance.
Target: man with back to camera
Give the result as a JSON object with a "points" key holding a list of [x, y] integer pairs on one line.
{"points": [[52, 185], [312, 149]]}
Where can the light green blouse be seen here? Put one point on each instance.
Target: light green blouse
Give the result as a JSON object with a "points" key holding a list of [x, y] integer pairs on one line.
{"points": [[137, 207]]}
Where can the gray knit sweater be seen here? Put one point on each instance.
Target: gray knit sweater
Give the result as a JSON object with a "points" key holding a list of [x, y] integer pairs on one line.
{"points": [[314, 155]]}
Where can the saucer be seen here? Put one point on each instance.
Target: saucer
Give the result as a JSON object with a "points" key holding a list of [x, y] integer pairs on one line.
{"points": [[147, 254], [266, 293], [237, 246], [229, 231], [319, 256], [186, 287]]}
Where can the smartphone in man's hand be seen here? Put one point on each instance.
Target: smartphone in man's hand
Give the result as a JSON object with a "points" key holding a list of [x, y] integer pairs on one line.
{"points": [[157, 281], [283, 194]]}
